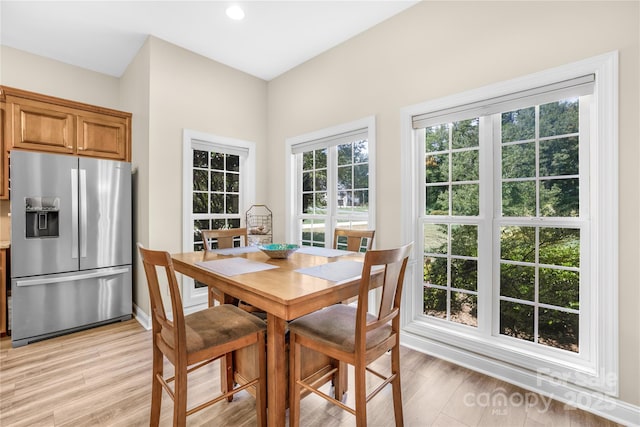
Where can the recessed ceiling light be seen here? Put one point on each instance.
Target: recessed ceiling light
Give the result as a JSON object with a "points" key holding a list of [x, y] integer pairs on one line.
{"points": [[235, 12]]}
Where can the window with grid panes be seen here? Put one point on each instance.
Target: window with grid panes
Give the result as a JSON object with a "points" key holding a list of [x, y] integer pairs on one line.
{"points": [[218, 187], [333, 182], [537, 219], [216, 193], [516, 220]]}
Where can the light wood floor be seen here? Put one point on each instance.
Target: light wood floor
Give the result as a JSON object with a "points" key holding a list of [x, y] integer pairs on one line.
{"points": [[102, 377]]}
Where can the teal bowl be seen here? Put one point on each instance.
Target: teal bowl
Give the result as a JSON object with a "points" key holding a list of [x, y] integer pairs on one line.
{"points": [[278, 250]]}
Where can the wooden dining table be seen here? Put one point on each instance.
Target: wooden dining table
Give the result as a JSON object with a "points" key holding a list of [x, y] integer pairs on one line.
{"points": [[283, 293]]}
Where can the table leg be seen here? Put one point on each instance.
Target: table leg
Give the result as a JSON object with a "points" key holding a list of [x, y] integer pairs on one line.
{"points": [[340, 381], [227, 369], [276, 371]]}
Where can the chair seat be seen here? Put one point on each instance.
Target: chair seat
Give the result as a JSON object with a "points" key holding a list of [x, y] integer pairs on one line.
{"points": [[335, 326], [215, 326]]}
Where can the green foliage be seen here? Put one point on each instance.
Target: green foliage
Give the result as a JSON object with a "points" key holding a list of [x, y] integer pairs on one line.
{"points": [[464, 272], [557, 247], [518, 125], [452, 157], [539, 179], [516, 320], [559, 118], [556, 154], [464, 134]]}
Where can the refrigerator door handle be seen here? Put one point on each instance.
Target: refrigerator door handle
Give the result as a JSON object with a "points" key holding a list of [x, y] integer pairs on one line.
{"points": [[71, 278], [83, 213], [74, 213]]}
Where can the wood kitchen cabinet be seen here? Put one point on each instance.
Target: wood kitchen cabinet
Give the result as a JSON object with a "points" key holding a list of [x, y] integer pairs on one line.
{"points": [[4, 167], [35, 125], [103, 136], [47, 124], [3, 292]]}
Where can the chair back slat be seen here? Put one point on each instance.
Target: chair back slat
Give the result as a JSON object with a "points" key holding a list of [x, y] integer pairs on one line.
{"points": [[354, 239], [223, 238], [392, 281]]}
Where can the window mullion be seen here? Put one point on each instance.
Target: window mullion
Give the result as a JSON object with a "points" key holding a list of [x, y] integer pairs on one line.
{"points": [[486, 135], [332, 196]]}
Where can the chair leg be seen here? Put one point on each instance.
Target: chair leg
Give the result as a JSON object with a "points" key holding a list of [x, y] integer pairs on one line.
{"points": [[294, 376], [397, 389], [180, 398], [226, 374], [361, 393], [156, 387], [261, 387]]}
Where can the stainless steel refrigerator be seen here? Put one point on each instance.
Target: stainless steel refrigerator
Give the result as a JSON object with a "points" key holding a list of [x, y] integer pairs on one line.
{"points": [[70, 244]]}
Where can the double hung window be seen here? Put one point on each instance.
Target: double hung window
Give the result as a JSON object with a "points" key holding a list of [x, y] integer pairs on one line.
{"points": [[218, 187], [507, 209], [332, 182], [537, 218]]}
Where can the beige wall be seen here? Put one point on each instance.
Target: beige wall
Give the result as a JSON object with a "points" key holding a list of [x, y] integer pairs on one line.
{"points": [[34, 73], [134, 92], [436, 49], [192, 92], [187, 91]]}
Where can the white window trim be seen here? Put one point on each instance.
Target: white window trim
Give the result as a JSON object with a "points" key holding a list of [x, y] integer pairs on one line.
{"points": [[196, 298], [291, 192], [290, 168], [601, 374]]}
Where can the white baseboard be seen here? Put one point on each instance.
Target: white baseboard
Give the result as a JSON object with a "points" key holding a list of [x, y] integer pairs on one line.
{"points": [[142, 317], [597, 403]]}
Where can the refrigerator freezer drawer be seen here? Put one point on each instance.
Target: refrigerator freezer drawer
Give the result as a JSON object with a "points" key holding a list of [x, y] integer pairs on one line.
{"points": [[46, 306]]}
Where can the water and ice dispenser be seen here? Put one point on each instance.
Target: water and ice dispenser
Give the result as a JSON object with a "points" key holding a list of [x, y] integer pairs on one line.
{"points": [[42, 216]]}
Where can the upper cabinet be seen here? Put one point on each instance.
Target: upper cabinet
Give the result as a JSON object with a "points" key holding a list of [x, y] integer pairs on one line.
{"points": [[32, 121], [43, 123], [35, 125], [103, 136]]}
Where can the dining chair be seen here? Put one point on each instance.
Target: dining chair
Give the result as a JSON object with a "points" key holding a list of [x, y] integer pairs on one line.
{"points": [[221, 239], [353, 240], [193, 341], [354, 336]]}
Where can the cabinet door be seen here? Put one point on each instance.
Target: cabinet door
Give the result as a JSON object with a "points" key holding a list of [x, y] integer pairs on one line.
{"points": [[41, 126], [4, 171], [102, 136], [3, 292]]}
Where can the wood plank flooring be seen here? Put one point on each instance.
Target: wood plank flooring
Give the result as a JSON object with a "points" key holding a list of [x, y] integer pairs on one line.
{"points": [[102, 377]]}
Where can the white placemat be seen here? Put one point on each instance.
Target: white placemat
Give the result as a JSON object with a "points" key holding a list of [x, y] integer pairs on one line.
{"points": [[329, 253], [335, 271], [234, 266], [236, 251]]}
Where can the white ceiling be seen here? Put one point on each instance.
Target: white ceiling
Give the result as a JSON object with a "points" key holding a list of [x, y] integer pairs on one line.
{"points": [[105, 36]]}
